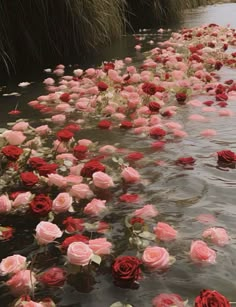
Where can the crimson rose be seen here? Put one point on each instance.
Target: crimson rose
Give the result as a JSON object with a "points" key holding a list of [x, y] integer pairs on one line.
{"points": [[226, 156], [64, 135], [134, 156], [47, 169], [74, 238], [65, 97], [102, 86], [41, 204], [12, 152], [73, 224], [157, 132], [185, 160], [129, 198], [149, 88], [181, 97], [154, 106], [104, 124], [36, 162], [79, 151], [209, 298], [91, 167], [54, 277], [125, 124], [29, 179]]}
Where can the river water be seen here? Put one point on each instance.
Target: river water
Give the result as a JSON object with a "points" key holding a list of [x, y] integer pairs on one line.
{"points": [[179, 194]]}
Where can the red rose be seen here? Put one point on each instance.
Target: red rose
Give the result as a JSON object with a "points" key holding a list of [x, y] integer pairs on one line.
{"points": [[157, 132], [36, 162], [220, 89], [104, 124], [134, 156], [102, 86], [41, 204], [149, 88], [73, 224], [6, 233], [226, 156], [72, 127], [107, 66], [125, 124], [74, 238], [129, 198], [208, 103], [222, 104], [221, 97], [12, 152], [47, 169], [64, 135], [218, 65], [80, 151], [229, 82], [29, 179], [91, 167], [65, 97], [126, 270], [209, 298], [180, 97], [136, 220], [186, 160], [13, 195], [54, 277], [154, 106], [14, 112]]}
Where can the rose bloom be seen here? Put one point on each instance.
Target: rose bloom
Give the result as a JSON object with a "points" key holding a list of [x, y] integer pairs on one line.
{"points": [[73, 224], [102, 180], [167, 299], [53, 277], [104, 124], [14, 137], [59, 147], [73, 179], [5, 204], [201, 253], [217, 235], [95, 207], [81, 191], [22, 282], [29, 179], [41, 204], [157, 132], [79, 253], [47, 168], [129, 198], [226, 156], [6, 233], [100, 246], [64, 135], [12, 152], [147, 212], [156, 258], [25, 301], [57, 180], [165, 232], [74, 238], [130, 175], [208, 298], [58, 119], [20, 126], [62, 203], [134, 156], [47, 232], [12, 264], [91, 167], [185, 160], [80, 151], [36, 162]]}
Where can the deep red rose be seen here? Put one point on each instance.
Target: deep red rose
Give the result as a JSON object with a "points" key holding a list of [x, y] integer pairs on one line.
{"points": [[134, 156], [229, 82], [185, 160], [211, 45], [222, 104], [233, 54], [73, 224], [74, 238], [210, 298], [218, 65], [221, 97], [13, 195], [180, 97], [46, 110], [73, 127], [220, 89], [64, 135], [126, 270], [125, 124], [53, 277], [226, 156], [136, 220], [6, 233], [91, 167], [232, 88], [29, 179], [12, 152], [80, 151], [47, 169], [107, 66], [65, 97], [41, 204], [36, 162], [157, 132], [102, 86], [129, 198], [154, 106], [149, 88], [208, 103], [104, 124]]}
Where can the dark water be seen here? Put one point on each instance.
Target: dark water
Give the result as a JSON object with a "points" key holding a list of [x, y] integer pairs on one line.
{"points": [[180, 195]]}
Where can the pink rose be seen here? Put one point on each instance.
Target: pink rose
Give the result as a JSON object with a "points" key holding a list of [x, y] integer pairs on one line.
{"points": [[22, 199], [14, 137], [25, 302], [47, 232], [85, 142], [130, 175], [59, 147], [167, 299], [201, 253], [156, 258], [81, 191], [20, 126], [58, 119], [57, 180], [12, 264], [107, 149], [102, 180], [95, 207], [5, 204], [79, 253], [165, 232], [42, 130], [73, 179], [22, 282], [100, 246], [147, 212], [217, 235], [62, 203], [49, 81]]}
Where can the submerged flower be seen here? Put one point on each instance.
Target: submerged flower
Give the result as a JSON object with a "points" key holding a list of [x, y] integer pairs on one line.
{"points": [[211, 298]]}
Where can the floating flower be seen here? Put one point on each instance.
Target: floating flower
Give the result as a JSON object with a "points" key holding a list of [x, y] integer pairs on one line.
{"points": [[210, 298], [53, 277], [165, 232], [12, 264], [168, 299], [217, 235], [79, 253], [156, 258], [226, 156], [201, 253], [47, 232]]}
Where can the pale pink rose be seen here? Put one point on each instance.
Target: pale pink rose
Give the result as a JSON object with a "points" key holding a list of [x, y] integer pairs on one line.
{"points": [[195, 103], [168, 300], [33, 103], [47, 232], [156, 258], [155, 120], [21, 126], [81, 191], [62, 203], [128, 60], [108, 110], [63, 107], [22, 199], [79, 253], [147, 212], [100, 246], [165, 232], [22, 282], [118, 116], [43, 98], [14, 137], [78, 72], [209, 109], [5, 204], [59, 72], [95, 207], [208, 132], [179, 133], [73, 179], [107, 149], [206, 218], [217, 235], [201, 253], [22, 303], [49, 81], [173, 125], [12, 264], [102, 180], [90, 71], [57, 180], [85, 142], [140, 130], [66, 156], [76, 169], [114, 76], [140, 121], [42, 130], [58, 119], [225, 113], [130, 175], [197, 117], [143, 110]]}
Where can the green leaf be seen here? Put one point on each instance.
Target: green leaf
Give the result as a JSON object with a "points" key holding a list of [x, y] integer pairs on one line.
{"points": [[147, 235], [97, 259]]}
